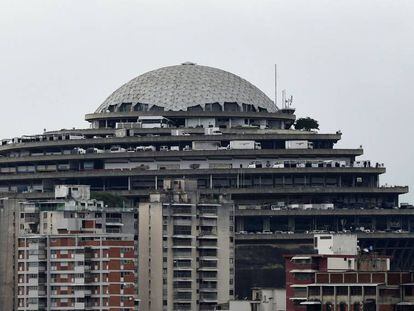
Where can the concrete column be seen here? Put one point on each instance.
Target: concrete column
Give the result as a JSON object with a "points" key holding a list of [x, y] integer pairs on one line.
{"points": [[239, 224], [266, 223], [129, 183], [374, 223], [211, 181], [291, 224], [388, 223]]}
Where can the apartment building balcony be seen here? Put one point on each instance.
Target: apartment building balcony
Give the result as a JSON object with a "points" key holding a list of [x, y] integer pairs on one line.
{"points": [[74, 306], [36, 293], [114, 222], [35, 281], [209, 243], [209, 277], [208, 215], [208, 289], [209, 222], [35, 270], [181, 211], [207, 233], [209, 300], [183, 235], [36, 258]]}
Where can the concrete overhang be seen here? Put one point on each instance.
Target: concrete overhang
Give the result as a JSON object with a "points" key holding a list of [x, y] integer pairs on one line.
{"points": [[165, 139], [333, 212], [189, 172], [193, 154]]}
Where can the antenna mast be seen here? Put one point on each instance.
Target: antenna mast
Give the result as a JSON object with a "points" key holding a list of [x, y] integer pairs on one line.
{"points": [[276, 85]]}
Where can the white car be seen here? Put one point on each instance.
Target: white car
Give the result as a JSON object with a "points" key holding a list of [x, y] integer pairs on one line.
{"points": [[94, 150], [78, 150], [149, 148], [116, 149]]}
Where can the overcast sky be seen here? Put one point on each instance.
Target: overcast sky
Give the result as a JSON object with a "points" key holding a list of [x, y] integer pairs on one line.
{"points": [[348, 63]]}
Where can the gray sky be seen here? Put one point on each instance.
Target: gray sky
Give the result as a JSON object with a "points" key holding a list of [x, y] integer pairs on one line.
{"points": [[348, 63]]}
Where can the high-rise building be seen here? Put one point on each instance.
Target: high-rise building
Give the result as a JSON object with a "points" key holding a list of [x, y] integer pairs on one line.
{"points": [[73, 253], [186, 259], [76, 272], [205, 124]]}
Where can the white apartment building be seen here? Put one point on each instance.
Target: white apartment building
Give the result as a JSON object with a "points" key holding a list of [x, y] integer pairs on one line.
{"points": [[186, 259]]}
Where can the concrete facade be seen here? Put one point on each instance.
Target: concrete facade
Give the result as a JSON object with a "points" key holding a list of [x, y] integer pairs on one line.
{"points": [[9, 226], [281, 195], [186, 250]]}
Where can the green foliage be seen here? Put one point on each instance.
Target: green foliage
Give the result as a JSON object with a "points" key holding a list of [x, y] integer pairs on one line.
{"points": [[306, 124], [109, 199]]}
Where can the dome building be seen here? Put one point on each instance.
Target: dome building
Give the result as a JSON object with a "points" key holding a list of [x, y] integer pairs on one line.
{"points": [[213, 128], [187, 87]]}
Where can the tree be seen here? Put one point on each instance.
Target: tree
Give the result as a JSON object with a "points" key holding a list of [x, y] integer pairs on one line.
{"points": [[306, 124]]}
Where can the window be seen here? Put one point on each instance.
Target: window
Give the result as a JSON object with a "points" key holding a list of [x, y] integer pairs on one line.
{"points": [[356, 290], [327, 290], [370, 290], [303, 276], [342, 290]]}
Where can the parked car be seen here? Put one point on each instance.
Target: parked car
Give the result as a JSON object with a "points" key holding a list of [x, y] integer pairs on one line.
{"points": [[149, 148], [94, 150], [78, 150], [116, 149]]}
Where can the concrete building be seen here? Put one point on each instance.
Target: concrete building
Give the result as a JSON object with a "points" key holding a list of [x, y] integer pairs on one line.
{"points": [[205, 124], [264, 299], [186, 259], [332, 280], [270, 299], [336, 244], [73, 253], [9, 225], [77, 272]]}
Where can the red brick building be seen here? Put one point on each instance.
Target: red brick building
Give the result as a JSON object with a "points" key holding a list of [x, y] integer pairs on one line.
{"points": [[341, 282], [77, 272]]}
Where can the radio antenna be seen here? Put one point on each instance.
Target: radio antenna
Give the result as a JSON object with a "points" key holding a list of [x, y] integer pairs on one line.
{"points": [[276, 86]]}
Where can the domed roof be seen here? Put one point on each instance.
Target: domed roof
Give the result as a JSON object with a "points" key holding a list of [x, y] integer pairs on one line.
{"points": [[183, 86]]}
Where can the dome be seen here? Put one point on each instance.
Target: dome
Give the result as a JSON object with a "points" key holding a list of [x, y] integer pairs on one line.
{"points": [[187, 87]]}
